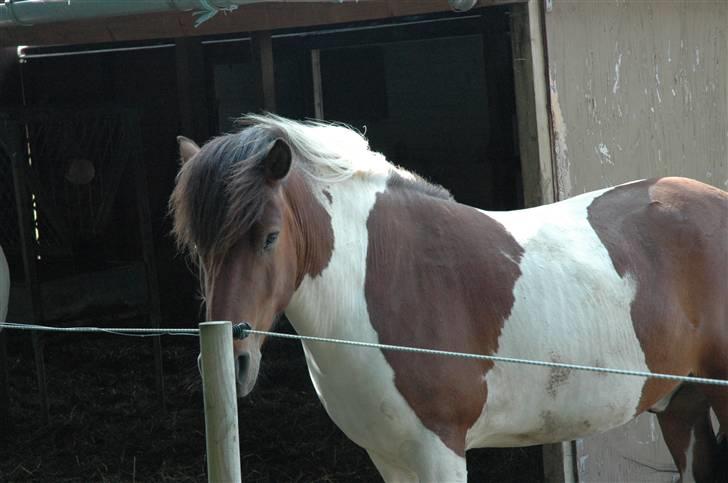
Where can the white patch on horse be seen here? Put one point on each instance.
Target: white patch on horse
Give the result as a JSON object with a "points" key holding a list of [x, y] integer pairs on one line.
{"points": [[356, 385], [571, 306]]}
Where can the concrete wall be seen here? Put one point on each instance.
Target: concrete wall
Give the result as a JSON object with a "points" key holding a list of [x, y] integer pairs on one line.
{"points": [[637, 89]]}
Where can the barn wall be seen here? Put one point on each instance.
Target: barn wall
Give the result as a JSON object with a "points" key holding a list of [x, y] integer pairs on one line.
{"points": [[637, 89]]}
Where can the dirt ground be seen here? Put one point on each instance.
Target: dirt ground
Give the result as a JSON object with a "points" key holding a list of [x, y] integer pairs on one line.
{"points": [[106, 421]]}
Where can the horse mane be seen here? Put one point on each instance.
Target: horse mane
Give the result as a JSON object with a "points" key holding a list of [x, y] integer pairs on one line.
{"points": [[221, 192]]}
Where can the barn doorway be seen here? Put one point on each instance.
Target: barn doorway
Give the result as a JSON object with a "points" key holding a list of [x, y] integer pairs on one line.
{"points": [[435, 94]]}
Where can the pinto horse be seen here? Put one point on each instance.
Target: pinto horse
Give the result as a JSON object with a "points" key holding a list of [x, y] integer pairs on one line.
{"points": [[304, 219]]}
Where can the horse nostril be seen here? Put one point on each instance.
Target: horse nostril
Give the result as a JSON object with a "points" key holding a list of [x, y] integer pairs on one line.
{"points": [[243, 363]]}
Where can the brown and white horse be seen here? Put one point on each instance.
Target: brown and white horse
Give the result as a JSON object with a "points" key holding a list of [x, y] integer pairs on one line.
{"points": [[305, 219]]}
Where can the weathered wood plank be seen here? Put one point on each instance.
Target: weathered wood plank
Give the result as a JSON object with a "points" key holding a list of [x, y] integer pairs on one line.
{"points": [[24, 204], [262, 45], [147, 236], [248, 18], [531, 103]]}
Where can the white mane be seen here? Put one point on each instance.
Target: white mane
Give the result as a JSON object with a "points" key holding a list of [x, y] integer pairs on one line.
{"points": [[328, 152]]}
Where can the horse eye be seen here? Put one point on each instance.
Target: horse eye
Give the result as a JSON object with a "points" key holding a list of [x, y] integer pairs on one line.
{"points": [[270, 240]]}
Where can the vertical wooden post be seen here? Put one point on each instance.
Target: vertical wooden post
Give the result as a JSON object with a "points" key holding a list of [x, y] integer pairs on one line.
{"points": [[318, 93], [529, 72], [262, 45], [191, 88], [24, 205], [147, 236], [221, 404]]}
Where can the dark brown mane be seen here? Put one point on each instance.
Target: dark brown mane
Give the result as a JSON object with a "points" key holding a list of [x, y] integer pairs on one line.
{"points": [[221, 192], [420, 185]]}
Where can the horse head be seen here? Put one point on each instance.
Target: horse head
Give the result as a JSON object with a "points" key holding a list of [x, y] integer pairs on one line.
{"points": [[231, 213]]}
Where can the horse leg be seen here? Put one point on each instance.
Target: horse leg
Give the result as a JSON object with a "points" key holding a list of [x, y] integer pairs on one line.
{"points": [[422, 467], [718, 399], [436, 469], [688, 432], [390, 471]]}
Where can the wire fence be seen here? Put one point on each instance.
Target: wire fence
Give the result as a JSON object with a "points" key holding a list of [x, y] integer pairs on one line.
{"points": [[245, 330]]}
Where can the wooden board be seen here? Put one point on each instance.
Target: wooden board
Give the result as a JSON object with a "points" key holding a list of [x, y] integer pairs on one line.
{"points": [[247, 18]]}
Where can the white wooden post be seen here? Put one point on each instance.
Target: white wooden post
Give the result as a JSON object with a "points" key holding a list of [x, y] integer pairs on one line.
{"points": [[221, 404]]}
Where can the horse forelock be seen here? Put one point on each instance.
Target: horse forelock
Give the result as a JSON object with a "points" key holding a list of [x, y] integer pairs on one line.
{"points": [[220, 193]]}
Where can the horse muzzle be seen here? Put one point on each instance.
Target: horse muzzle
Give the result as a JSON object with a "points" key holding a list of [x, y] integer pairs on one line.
{"points": [[247, 365]]}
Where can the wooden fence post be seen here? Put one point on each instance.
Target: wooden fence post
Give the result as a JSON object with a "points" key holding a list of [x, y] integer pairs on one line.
{"points": [[221, 404]]}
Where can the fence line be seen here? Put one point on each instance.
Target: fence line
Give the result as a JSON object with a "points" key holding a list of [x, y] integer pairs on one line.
{"points": [[126, 331], [149, 332]]}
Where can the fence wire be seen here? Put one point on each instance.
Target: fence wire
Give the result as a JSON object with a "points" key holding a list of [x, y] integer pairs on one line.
{"points": [[149, 332]]}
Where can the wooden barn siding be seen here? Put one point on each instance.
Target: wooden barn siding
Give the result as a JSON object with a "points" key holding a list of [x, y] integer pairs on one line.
{"points": [[637, 89]]}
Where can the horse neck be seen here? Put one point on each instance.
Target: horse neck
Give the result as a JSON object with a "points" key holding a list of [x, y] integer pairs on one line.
{"points": [[329, 301], [309, 224]]}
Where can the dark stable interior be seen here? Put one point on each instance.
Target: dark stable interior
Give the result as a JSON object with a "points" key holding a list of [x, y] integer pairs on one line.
{"points": [[434, 94]]}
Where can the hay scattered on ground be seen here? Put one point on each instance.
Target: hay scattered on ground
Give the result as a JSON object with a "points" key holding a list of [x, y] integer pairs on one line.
{"points": [[107, 424]]}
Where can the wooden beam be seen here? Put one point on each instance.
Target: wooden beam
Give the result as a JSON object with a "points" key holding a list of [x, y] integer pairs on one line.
{"points": [[262, 45], [147, 236], [318, 93], [529, 70], [191, 89], [26, 225], [249, 18]]}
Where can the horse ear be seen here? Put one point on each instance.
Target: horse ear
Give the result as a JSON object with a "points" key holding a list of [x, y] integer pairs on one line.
{"points": [[187, 148], [278, 161]]}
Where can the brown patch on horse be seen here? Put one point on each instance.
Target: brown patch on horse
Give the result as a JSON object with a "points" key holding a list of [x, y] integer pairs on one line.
{"points": [[444, 282], [670, 235], [315, 235]]}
